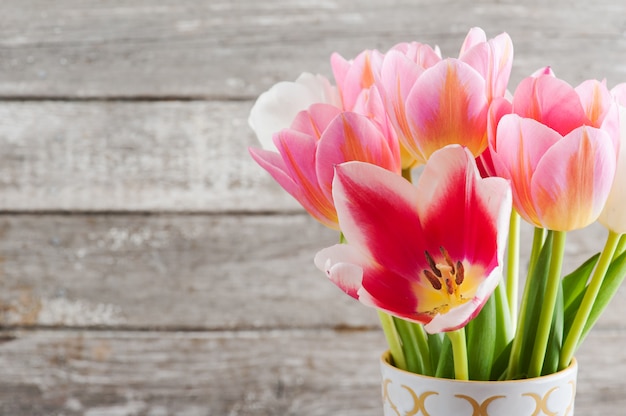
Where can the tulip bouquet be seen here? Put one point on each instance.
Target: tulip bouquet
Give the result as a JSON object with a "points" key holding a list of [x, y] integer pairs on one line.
{"points": [[425, 166]]}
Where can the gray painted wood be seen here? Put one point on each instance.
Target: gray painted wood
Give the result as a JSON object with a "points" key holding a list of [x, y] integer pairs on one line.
{"points": [[148, 267], [176, 271], [223, 48], [121, 156]]}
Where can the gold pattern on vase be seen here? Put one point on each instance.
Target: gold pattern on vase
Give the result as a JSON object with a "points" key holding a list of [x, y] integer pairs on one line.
{"points": [[480, 409], [542, 402], [417, 400], [386, 397], [570, 406]]}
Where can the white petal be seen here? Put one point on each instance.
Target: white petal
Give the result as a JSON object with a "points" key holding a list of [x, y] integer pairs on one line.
{"points": [[613, 215], [276, 108], [341, 264]]}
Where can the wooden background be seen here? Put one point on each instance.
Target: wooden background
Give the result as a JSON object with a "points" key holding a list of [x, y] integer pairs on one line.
{"points": [[148, 267]]}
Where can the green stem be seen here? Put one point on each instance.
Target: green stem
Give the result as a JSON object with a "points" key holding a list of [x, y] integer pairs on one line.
{"points": [[518, 342], [549, 302], [582, 315], [621, 246], [512, 266], [395, 346], [459, 353], [539, 237]]}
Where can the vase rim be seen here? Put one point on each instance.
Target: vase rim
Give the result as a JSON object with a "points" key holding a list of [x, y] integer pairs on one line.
{"points": [[572, 367]]}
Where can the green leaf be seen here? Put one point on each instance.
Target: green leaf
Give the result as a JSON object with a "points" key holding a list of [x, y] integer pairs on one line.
{"points": [[481, 341], [555, 342], [574, 284], [574, 288], [445, 366], [504, 324], [537, 279], [498, 371], [612, 281], [414, 363], [435, 343]]}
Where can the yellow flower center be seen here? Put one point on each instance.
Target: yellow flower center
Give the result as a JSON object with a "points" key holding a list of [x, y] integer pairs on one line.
{"points": [[446, 278]]}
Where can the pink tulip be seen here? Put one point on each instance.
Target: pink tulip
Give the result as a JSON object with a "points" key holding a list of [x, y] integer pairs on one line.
{"points": [[559, 182], [432, 102], [319, 139], [356, 81], [492, 58], [355, 76], [558, 148], [447, 105], [401, 68], [431, 253]]}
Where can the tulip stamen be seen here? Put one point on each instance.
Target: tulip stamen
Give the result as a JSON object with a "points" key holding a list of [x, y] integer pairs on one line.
{"points": [[434, 280], [447, 258], [460, 273], [448, 273], [432, 264]]}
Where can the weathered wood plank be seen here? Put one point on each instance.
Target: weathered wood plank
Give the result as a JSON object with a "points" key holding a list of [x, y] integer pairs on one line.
{"points": [[314, 373], [76, 48], [247, 373], [116, 156], [169, 271], [181, 271]]}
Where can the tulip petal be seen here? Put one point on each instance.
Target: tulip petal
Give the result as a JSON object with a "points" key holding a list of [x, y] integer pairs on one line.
{"points": [[502, 61], [572, 181], [349, 137], [398, 75], [619, 93], [276, 108], [315, 120], [613, 215], [341, 264], [365, 195], [459, 209], [357, 76], [447, 105], [419, 53], [551, 101], [492, 59], [600, 107], [520, 145], [596, 100], [474, 37], [275, 166], [298, 153], [489, 158]]}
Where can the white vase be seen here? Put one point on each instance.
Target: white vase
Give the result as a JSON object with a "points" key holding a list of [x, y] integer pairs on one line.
{"points": [[408, 394]]}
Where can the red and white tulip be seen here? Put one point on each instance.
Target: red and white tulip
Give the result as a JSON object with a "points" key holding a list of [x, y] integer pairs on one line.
{"points": [[430, 253]]}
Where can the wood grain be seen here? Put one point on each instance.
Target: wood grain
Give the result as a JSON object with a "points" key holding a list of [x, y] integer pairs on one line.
{"points": [[117, 156], [236, 49], [185, 271]]}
